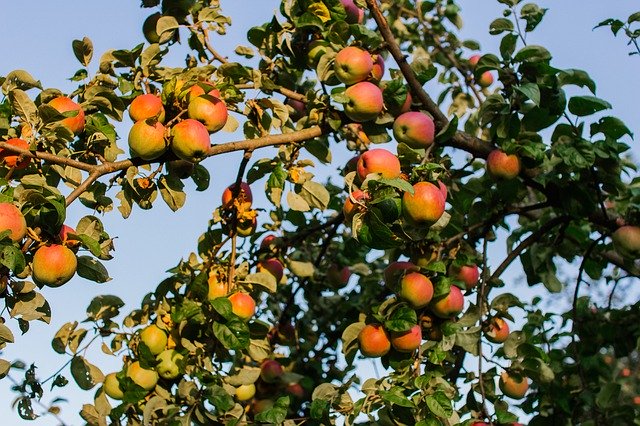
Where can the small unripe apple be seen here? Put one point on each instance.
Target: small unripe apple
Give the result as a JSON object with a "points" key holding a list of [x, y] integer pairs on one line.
{"points": [[244, 194], [64, 104], [190, 140], [497, 331], [154, 338], [378, 161], [426, 204], [146, 140], [142, 377], [169, 364], [374, 341], [501, 165], [272, 266], [450, 305], [407, 341], [469, 275], [245, 392], [350, 207], [415, 129], [352, 65], [485, 79], [416, 289], [11, 159], [355, 15], [53, 265], [626, 241], [247, 227], [149, 28], [271, 371], [111, 386], [512, 385], [365, 102], [12, 220], [243, 305], [146, 106], [210, 111]]}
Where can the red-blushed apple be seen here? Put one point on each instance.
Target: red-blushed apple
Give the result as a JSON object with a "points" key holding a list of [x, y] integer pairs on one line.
{"points": [[625, 372], [111, 386], [244, 195], [268, 241], [295, 390], [485, 79], [154, 338], [416, 289], [480, 424], [497, 330], [169, 364], [636, 400], [245, 392], [53, 265], [64, 104], [377, 72], [365, 102], [374, 341], [473, 61], [468, 274], [395, 270], [12, 220], [273, 266], [355, 15], [216, 287], [513, 385], [65, 237], [415, 129], [11, 159], [149, 27], [501, 165], [353, 205], [190, 140], [146, 140], [626, 241], [407, 341], [209, 110], [426, 204], [142, 377], [243, 305], [380, 161], [448, 306], [337, 276], [352, 65], [271, 371], [443, 189], [146, 106], [299, 109]]}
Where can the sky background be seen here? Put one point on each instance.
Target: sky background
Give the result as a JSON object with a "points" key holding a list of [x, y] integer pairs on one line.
{"points": [[37, 37]]}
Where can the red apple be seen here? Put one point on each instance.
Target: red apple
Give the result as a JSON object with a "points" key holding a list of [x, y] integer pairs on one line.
{"points": [[374, 341], [443, 189], [513, 385], [473, 61], [365, 102], [377, 72], [407, 341], [469, 275], [416, 289], [485, 79], [426, 204], [11, 159], [355, 15], [295, 390], [414, 129], [450, 305], [190, 140], [209, 110], [350, 207], [497, 330], [503, 166], [64, 104], [146, 140], [65, 238], [243, 305], [271, 371], [267, 241], [394, 272], [244, 195], [337, 276], [378, 161], [53, 265], [272, 266], [299, 109], [12, 220], [146, 106], [352, 65]]}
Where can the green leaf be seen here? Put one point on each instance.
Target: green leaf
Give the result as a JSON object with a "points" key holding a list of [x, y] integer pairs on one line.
{"points": [[171, 190], [6, 335], [13, 258], [608, 395], [5, 366], [402, 319], [612, 127], [262, 279], [220, 398], [500, 25], [576, 77], [84, 373], [468, 339], [297, 203], [532, 53], [531, 91], [396, 396], [315, 194], [350, 337], [83, 50], [587, 105], [301, 269], [222, 305], [102, 307], [92, 269], [233, 335], [503, 302]]}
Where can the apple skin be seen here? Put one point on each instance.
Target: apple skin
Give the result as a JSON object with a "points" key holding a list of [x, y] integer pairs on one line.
{"points": [[350, 208], [147, 379], [146, 106], [378, 161], [260, 405], [352, 65], [169, 366], [11, 219], [407, 341], [269, 241], [377, 72], [448, 306], [146, 140], [425, 206], [154, 338], [149, 28], [64, 104], [244, 194], [497, 331], [243, 305], [365, 102], [111, 386], [271, 371], [513, 386], [66, 239], [374, 341], [395, 270], [485, 79], [355, 15], [53, 265], [10, 159], [501, 165], [245, 392], [416, 289], [468, 274], [210, 111], [415, 129], [626, 241], [190, 140], [272, 266]]}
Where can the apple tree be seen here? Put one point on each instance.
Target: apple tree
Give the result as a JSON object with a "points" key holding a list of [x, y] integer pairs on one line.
{"points": [[390, 255]]}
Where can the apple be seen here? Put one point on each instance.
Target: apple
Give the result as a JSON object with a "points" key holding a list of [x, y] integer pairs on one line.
{"points": [[268, 241], [244, 195], [169, 364], [443, 189], [473, 61], [450, 305], [146, 106], [272, 266], [146, 140], [479, 424], [501, 165], [468, 274], [299, 109], [53, 265], [149, 28], [416, 289], [426, 204], [271, 371], [260, 405], [209, 110], [415, 129], [217, 287], [625, 372], [352, 65], [355, 15], [374, 341], [245, 392], [142, 377], [636, 400], [337, 276], [154, 338], [380, 161], [377, 72], [407, 341], [243, 305], [11, 159], [12, 220], [64, 104], [351, 207], [65, 238], [190, 140], [295, 390], [365, 102], [626, 241], [111, 386], [395, 270], [497, 330], [513, 385], [485, 79]]}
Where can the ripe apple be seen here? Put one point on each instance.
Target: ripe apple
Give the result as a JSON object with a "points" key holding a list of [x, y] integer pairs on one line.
{"points": [[295, 390], [12, 220], [626, 241], [11, 159], [299, 109], [378, 161], [245, 392], [146, 106], [473, 61], [485, 79], [355, 15], [443, 188], [65, 237], [244, 195], [374, 341], [271, 371], [350, 207], [480, 424], [146, 140], [365, 102], [468, 274], [407, 341], [53, 265], [513, 385], [497, 330], [169, 364], [503, 166], [636, 400], [209, 110], [394, 272], [142, 377], [64, 104], [415, 129], [243, 305], [149, 28], [272, 266], [111, 386], [425, 205], [190, 140], [154, 338], [217, 288], [268, 241], [352, 65], [377, 72], [416, 289], [450, 305]]}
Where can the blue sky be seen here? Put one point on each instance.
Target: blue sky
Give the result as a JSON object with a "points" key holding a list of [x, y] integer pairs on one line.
{"points": [[38, 38]]}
